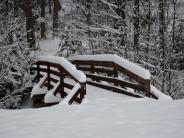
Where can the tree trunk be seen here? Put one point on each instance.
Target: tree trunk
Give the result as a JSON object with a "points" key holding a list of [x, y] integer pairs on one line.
{"points": [[89, 22], [121, 11], [57, 7], [171, 74], [162, 38], [50, 7], [149, 29], [43, 29], [174, 23], [29, 23], [15, 6], [136, 25]]}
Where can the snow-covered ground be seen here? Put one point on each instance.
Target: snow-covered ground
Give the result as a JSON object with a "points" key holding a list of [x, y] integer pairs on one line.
{"points": [[48, 47], [103, 114]]}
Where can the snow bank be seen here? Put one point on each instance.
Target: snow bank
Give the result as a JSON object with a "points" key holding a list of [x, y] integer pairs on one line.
{"points": [[80, 76], [37, 90], [71, 94], [104, 115], [159, 94], [118, 60], [50, 98]]}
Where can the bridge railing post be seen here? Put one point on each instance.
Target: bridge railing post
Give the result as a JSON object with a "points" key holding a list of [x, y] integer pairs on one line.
{"points": [[115, 74], [62, 82], [92, 68], [148, 88], [48, 76], [38, 71], [82, 91]]}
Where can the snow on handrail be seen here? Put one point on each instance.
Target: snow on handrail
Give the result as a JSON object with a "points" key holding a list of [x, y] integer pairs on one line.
{"points": [[78, 75], [36, 89], [71, 94], [138, 70], [50, 97]]}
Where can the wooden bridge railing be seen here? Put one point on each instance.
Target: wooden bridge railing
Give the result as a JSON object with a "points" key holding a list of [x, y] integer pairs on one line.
{"points": [[55, 73], [109, 72]]}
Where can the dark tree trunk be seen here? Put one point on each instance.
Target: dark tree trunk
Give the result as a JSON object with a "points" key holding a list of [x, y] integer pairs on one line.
{"points": [[162, 38], [50, 7], [89, 21], [29, 23], [16, 5], [171, 74], [57, 7], [43, 29], [149, 29], [9, 39], [88, 16], [136, 25], [121, 11]]}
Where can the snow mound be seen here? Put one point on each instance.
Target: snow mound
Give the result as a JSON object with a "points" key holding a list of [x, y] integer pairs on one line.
{"points": [[138, 70], [159, 94]]}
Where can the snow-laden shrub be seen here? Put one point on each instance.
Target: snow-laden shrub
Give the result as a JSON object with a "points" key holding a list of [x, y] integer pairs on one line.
{"points": [[69, 44], [14, 73]]}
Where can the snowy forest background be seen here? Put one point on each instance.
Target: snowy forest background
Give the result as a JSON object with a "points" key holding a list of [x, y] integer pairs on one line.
{"points": [[147, 32]]}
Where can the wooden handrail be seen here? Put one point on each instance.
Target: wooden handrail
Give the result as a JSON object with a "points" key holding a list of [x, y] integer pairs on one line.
{"points": [[54, 69], [108, 71], [117, 81]]}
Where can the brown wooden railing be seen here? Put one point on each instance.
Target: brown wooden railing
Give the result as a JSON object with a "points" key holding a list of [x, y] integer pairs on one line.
{"points": [[55, 72], [108, 71]]}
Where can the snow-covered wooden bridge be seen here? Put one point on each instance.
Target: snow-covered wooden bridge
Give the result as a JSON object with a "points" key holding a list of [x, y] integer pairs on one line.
{"points": [[58, 80]]}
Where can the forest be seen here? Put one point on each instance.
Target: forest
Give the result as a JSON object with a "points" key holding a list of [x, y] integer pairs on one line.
{"points": [[147, 32]]}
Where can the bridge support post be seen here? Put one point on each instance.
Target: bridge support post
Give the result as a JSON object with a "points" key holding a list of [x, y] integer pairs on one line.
{"points": [[48, 77], [62, 82], [115, 74], [93, 70], [148, 88], [38, 71]]}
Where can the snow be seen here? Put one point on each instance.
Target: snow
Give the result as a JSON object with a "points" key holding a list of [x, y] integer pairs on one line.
{"points": [[50, 98], [80, 76], [37, 88], [48, 47], [118, 60], [71, 94], [109, 4], [159, 94], [103, 114]]}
